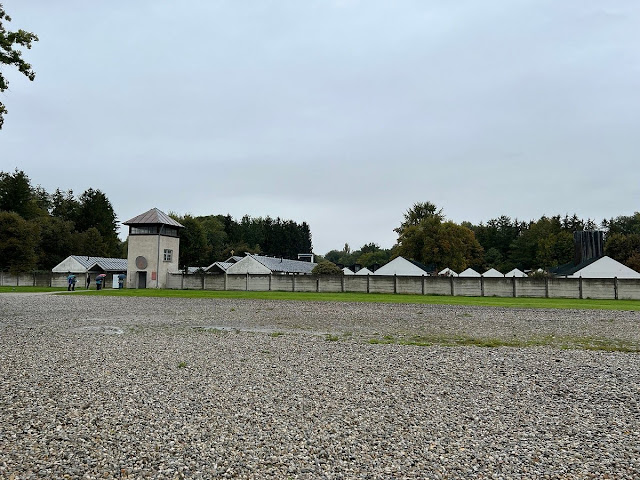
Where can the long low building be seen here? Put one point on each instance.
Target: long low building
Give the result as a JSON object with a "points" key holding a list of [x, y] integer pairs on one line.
{"points": [[602, 267], [79, 264], [260, 264], [404, 267]]}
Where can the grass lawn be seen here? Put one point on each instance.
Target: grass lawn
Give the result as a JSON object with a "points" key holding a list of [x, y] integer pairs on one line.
{"points": [[520, 302]]}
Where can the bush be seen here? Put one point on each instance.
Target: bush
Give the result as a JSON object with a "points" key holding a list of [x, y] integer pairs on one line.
{"points": [[326, 268]]}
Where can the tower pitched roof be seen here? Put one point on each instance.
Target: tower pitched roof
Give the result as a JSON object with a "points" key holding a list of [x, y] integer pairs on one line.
{"points": [[153, 217]]}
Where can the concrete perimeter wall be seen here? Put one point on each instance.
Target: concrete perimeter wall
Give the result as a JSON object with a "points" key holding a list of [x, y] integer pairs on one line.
{"points": [[50, 280], [596, 288]]}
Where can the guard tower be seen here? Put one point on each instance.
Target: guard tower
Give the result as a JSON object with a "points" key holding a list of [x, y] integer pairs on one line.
{"points": [[154, 246]]}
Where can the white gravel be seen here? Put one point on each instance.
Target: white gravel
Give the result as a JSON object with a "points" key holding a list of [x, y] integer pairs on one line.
{"points": [[106, 387]]}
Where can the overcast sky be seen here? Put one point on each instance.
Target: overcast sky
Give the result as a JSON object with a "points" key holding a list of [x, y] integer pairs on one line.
{"points": [[339, 113]]}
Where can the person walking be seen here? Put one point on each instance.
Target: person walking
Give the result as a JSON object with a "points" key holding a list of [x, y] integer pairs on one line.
{"points": [[98, 282], [88, 280], [71, 283]]}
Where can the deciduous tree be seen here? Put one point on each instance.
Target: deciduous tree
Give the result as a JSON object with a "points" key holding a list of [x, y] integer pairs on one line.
{"points": [[18, 241], [326, 268], [17, 195], [12, 56], [95, 211], [425, 236]]}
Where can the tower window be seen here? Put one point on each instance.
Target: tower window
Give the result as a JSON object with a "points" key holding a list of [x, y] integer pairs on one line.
{"points": [[168, 255]]}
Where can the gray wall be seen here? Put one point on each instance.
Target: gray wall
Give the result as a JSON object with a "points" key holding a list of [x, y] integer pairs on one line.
{"points": [[595, 288], [51, 280]]}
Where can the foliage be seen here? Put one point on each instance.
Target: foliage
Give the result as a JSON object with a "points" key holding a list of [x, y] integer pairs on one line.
{"points": [[91, 243], [543, 244], [419, 212], [216, 236], [11, 56], [194, 250], [57, 239], [624, 248], [17, 195], [625, 225], [326, 268], [369, 255], [432, 241], [60, 224], [18, 241], [224, 236], [94, 210]]}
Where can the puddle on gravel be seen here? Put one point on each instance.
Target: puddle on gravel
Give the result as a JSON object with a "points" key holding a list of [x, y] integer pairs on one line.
{"points": [[268, 330], [99, 329]]}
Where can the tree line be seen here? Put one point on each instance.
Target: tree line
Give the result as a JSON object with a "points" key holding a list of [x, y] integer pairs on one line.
{"points": [[210, 238], [38, 229], [426, 236]]}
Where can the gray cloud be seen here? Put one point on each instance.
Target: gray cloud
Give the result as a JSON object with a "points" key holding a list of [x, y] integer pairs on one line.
{"points": [[341, 114]]}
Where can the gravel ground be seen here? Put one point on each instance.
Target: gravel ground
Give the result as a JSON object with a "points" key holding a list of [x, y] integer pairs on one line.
{"points": [[107, 387]]}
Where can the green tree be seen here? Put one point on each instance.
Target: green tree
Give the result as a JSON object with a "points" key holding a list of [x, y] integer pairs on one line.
{"points": [[377, 258], [64, 205], [622, 247], [496, 237], [493, 258], [543, 244], [216, 236], [326, 268], [57, 241], [90, 243], [95, 211], [194, 251], [10, 55], [17, 195], [623, 224], [18, 242], [634, 261], [420, 211], [431, 240]]}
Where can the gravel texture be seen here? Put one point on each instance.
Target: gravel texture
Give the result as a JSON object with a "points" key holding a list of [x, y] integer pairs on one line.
{"points": [[108, 387]]}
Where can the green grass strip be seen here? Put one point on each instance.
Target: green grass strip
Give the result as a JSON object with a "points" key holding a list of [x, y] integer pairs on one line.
{"points": [[505, 302], [567, 343]]}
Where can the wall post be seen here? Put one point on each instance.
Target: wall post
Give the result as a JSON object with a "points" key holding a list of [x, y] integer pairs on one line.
{"points": [[246, 282], [293, 283], [395, 283], [342, 283], [481, 286], [225, 281], [453, 293], [318, 284], [270, 275], [422, 284], [580, 287], [513, 281], [546, 287], [368, 289], [615, 288]]}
